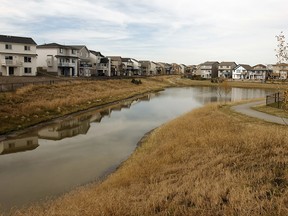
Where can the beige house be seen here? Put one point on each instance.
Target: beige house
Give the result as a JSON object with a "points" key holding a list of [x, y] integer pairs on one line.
{"points": [[225, 69], [84, 64], [58, 59], [116, 65], [148, 68], [280, 70], [17, 56], [209, 69]]}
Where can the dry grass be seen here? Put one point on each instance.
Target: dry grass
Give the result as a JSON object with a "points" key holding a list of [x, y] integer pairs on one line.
{"points": [[272, 111], [34, 104], [206, 162]]}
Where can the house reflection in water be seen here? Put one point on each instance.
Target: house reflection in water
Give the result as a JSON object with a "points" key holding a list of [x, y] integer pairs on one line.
{"points": [[66, 128], [18, 145]]}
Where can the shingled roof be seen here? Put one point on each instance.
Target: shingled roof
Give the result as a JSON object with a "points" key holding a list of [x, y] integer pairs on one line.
{"points": [[16, 39]]}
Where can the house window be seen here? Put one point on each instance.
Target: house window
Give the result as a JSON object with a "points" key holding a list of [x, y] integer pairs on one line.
{"points": [[61, 50], [27, 59], [8, 46], [11, 145], [73, 60], [27, 70], [29, 142], [73, 51], [9, 57], [27, 48]]}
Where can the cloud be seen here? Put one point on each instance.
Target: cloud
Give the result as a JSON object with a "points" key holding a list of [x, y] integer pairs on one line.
{"points": [[184, 31]]}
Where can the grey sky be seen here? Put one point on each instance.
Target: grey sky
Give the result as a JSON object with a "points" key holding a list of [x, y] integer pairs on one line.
{"points": [[182, 31]]}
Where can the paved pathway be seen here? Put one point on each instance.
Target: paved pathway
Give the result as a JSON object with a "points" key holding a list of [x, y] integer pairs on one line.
{"points": [[246, 109]]}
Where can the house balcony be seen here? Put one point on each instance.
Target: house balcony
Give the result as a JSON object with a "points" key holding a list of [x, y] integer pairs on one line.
{"points": [[11, 63], [85, 65], [66, 64]]}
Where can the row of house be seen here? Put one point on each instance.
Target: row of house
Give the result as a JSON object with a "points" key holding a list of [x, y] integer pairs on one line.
{"points": [[21, 56], [232, 70]]}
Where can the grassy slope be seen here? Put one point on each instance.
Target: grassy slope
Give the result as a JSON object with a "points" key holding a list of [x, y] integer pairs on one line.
{"points": [[207, 162], [34, 104]]}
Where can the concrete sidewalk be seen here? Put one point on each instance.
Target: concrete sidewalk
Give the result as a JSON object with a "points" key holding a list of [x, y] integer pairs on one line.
{"points": [[246, 109]]}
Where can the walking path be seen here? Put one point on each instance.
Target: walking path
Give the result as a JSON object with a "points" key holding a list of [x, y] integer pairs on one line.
{"points": [[246, 109]]}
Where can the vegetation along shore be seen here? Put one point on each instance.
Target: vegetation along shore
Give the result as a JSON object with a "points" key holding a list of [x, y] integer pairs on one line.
{"points": [[34, 104], [210, 161]]}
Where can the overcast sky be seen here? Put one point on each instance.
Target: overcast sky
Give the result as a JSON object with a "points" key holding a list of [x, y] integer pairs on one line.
{"points": [[181, 31]]}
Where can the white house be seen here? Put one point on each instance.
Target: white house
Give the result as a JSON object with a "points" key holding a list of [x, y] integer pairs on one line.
{"points": [[58, 59], [17, 56], [241, 71]]}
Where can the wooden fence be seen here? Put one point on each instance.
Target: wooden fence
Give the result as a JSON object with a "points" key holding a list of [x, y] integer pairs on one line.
{"points": [[275, 100], [5, 87]]}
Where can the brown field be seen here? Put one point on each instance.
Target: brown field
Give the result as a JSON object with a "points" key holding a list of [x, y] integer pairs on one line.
{"points": [[31, 105], [207, 162]]}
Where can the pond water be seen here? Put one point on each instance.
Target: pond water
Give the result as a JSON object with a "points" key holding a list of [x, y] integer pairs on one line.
{"points": [[84, 147]]}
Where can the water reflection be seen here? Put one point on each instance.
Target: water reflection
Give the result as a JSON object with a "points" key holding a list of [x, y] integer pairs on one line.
{"points": [[81, 148], [18, 145]]}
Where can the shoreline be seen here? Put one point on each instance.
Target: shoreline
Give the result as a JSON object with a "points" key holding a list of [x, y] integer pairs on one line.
{"points": [[144, 165]]}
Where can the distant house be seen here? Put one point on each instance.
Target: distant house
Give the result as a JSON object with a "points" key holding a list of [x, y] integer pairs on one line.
{"points": [[183, 68], [241, 71], [148, 68], [101, 64], [84, 63], [209, 69], [58, 59], [160, 68], [225, 69], [260, 72], [131, 66], [176, 69], [116, 65], [17, 56], [280, 70]]}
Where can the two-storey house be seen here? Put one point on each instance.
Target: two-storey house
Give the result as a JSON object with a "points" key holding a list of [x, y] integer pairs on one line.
{"points": [[260, 72], [209, 69], [148, 68], [58, 59], [17, 56], [281, 70], [225, 69], [116, 65], [241, 71], [84, 63]]}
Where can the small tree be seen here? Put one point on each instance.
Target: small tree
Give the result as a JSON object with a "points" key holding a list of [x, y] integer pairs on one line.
{"points": [[281, 51], [282, 57]]}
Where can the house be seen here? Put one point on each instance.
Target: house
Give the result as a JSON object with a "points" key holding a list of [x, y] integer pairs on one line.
{"points": [[160, 68], [176, 68], [101, 64], [131, 67], [116, 65], [182, 69], [148, 68], [190, 70], [260, 72], [280, 71], [241, 71], [17, 56], [84, 63], [225, 69], [58, 59], [209, 69]]}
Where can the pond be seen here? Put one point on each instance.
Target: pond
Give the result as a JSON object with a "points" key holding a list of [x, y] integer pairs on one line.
{"points": [[83, 148]]}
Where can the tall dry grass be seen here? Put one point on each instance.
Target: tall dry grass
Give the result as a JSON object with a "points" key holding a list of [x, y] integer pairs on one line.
{"points": [[33, 104], [206, 162]]}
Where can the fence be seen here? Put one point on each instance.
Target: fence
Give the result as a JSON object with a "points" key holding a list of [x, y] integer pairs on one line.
{"points": [[275, 100], [5, 87]]}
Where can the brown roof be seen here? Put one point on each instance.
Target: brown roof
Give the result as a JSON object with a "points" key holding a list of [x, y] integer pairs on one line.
{"points": [[16, 39]]}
